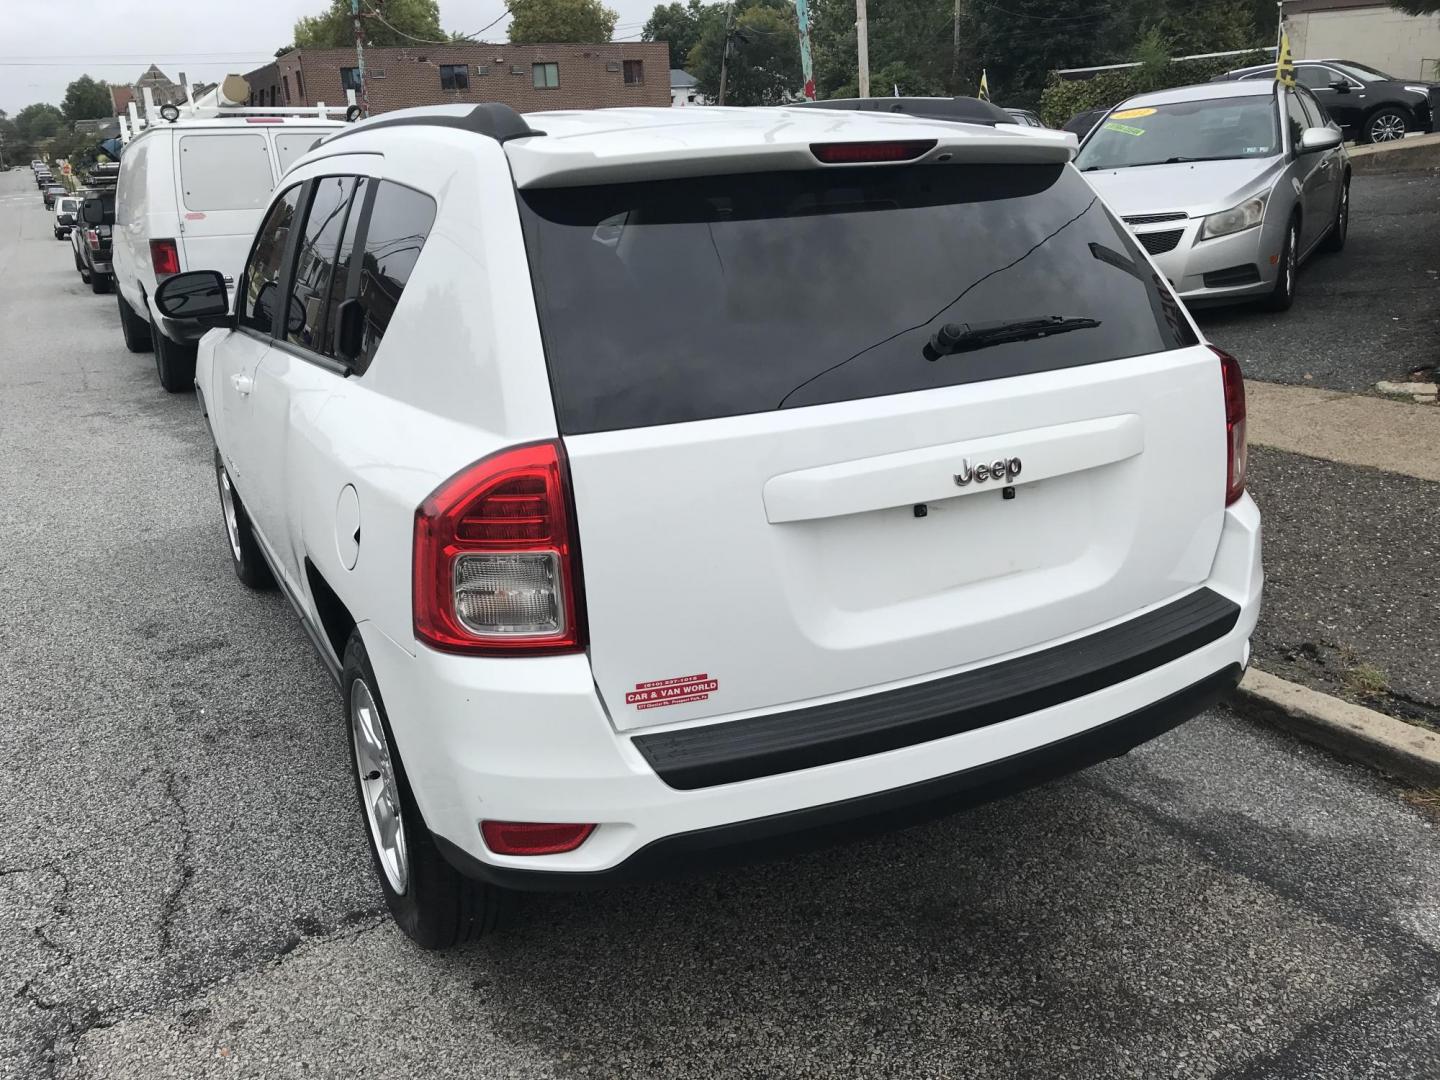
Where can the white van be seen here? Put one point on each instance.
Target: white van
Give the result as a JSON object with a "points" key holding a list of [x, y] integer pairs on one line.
{"points": [[190, 197]]}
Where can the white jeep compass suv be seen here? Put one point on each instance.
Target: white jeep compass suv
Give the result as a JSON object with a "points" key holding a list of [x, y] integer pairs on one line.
{"points": [[671, 486]]}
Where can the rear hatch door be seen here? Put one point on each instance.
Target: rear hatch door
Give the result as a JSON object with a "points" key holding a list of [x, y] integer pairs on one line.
{"points": [[782, 497]]}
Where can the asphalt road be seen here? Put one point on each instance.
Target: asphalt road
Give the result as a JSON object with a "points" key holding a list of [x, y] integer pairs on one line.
{"points": [[184, 890], [1362, 315]]}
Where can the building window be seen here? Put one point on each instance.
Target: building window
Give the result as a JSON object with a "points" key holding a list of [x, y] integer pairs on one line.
{"points": [[285, 81], [299, 87], [454, 77], [350, 78], [545, 75], [634, 71]]}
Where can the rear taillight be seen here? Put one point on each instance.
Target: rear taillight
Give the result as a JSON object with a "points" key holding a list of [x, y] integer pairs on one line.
{"points": [[496, 563], [533, 837], [1235, 450], [164, 257], [93, 239]]}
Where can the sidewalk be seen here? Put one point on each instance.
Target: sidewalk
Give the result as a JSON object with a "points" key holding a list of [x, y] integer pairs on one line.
{"points": [[1349, 487]]}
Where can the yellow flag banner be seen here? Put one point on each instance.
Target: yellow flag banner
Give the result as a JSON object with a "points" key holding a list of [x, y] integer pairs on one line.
{"points": [[984, 94], [1284, 66]]}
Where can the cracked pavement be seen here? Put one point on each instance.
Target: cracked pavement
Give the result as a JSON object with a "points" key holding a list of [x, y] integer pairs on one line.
{"points": [[185, 890]]}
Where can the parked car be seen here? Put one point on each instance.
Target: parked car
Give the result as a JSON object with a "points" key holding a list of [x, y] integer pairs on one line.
{"points": [[879, 578], [1228, 186], [1368, 104], [190, 194], [66, 208], [37, 165], [1083, 122], [90, 239], [43, 178], [50, 192], [1025, 117]]}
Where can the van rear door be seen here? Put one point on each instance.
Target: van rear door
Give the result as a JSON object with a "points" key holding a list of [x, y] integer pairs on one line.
{"points": [[808, 457], [223, 181]]}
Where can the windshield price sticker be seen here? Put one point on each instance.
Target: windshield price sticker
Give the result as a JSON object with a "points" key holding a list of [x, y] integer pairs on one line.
{"points": [[654, 695], [1124, 129], [1132, 114]]}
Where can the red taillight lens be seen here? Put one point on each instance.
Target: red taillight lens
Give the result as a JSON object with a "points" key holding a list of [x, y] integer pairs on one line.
{"points": [[533, 837], [496, 562], [93, 239], [1235, 448], [164, 257], [866, 153]]}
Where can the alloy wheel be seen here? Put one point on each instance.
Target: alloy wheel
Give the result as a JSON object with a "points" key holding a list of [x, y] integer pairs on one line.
{"points": [[1387, 128], [379, 789], [1290, 258], [227, 505]]}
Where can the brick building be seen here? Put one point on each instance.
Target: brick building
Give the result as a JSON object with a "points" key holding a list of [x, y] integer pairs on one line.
{"points": [[529, 78]]}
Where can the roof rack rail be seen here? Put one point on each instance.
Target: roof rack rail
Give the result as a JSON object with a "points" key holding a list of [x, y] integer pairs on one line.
{"points": [[217, 105], [492, 119]]}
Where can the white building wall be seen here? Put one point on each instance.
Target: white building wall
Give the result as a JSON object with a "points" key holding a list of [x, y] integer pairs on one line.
{"points": [[1407, 46]]}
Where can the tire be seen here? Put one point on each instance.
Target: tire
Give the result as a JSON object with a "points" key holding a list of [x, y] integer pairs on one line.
{"points": [[135, 329], [1284, 293], [99, 283], [1385, 124], [59, 235], [436, 905], [250, 565], [175, 364], [1335, 238]]}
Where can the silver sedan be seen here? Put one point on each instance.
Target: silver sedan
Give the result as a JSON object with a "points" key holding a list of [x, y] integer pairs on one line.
{"points": [[1228, 186]]}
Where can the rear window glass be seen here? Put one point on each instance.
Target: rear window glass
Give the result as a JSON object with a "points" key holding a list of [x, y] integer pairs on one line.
{"points": [[691, 299], [290, 145], [225, 172], [67, 206]]}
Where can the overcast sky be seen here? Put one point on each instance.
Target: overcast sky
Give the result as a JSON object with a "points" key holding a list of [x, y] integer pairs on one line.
{"points": [[44, 44]]}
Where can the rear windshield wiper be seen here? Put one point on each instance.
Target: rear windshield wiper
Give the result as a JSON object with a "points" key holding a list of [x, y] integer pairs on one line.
{"points": [[967, 337]]}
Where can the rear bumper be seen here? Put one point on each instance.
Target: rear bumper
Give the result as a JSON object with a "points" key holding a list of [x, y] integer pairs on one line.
{"points": [[529, 740], [800, 830]]}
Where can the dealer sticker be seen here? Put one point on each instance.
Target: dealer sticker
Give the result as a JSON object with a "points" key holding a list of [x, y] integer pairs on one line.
{"points": [[687, 688]]}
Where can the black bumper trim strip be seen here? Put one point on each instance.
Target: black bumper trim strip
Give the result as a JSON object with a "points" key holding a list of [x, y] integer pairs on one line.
{"points": [[725, 753], [851, 819]]}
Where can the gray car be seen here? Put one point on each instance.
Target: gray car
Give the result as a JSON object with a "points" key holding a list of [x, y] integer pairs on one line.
{"points": [[1228, 186]]}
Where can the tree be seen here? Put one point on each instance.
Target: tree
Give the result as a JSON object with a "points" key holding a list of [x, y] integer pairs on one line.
{"points": [[38, 121], [401, 22], [1417, 7], [681, 26], [536, 21], [764, 63], [911, 46], [86, 99]]}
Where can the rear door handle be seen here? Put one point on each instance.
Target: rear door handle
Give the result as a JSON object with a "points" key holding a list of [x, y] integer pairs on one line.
{"points": [[243, 384]]}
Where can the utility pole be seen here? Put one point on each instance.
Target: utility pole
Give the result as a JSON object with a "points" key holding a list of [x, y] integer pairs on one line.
{"points": [[955, 48], [725, 53], [862, 45], [359, 58]]}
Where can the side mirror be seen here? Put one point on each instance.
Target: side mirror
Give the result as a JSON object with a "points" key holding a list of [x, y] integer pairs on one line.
{"points": [[194, 296], [1340, 86], [1314, 140], [349, 330]]}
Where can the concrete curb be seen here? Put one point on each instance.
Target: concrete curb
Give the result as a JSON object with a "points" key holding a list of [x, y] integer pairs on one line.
{"points": [[1418, 154], [1353, 731]]}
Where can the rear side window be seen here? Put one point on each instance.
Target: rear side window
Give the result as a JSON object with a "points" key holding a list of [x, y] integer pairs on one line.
{"points": [[290, 145], [691, 299], [311, 292], [260, 286], [399, 221], [225, 172]]}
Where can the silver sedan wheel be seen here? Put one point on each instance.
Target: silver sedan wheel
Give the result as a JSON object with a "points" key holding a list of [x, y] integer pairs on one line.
{"points": [[1387, 128], [379, 790], [227, 504]]}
